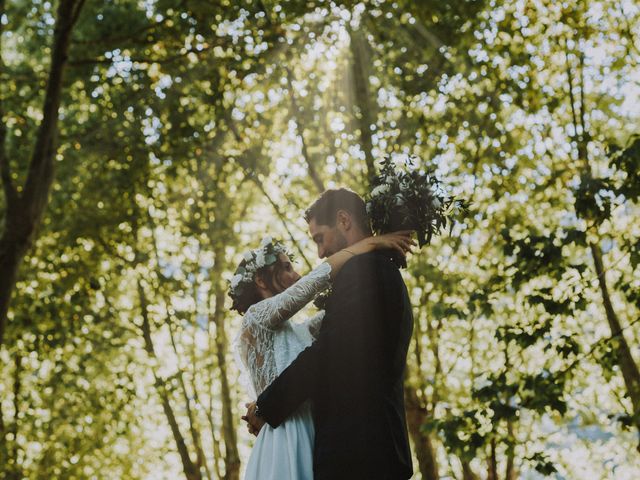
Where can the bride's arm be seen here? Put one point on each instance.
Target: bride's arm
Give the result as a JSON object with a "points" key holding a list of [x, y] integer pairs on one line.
{"points": [[273, 311], [400, 241]]}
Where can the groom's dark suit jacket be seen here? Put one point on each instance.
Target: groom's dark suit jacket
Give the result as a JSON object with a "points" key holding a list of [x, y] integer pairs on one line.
{"points": [[353, 374]]}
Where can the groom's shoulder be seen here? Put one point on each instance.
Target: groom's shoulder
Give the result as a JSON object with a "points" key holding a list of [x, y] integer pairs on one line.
{"points": [[369, 264]]}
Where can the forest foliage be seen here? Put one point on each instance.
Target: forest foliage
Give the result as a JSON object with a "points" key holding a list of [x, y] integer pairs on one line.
{"points": [[144, 145]]}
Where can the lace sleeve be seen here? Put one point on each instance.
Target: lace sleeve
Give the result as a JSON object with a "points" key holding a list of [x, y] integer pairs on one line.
{"points": [[314, 323], [271, 312], [254, 348]]}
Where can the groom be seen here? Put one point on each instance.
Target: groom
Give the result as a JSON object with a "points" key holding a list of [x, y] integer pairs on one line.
{"points": [[353, 373]]}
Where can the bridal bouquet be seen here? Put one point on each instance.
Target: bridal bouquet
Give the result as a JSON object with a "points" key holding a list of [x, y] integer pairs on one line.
{"points": [[407, 198]]}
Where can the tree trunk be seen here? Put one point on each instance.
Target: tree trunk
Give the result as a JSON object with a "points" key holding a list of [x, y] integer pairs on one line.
{"points": [[190, 470], [418, 412], [510, 468], [221, 234], [417, 416], [194, 377], [217, 455], [467, 471], [364, 110], [12, 250], [193, 428], [492, 470], [628, 366], [24, 211], [232, 457]]}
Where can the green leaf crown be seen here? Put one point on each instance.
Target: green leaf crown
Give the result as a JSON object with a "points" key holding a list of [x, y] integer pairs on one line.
{"points": [[254, 260]]}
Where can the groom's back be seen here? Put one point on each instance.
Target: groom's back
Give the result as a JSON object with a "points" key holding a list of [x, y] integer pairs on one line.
{"points": [[359, 403]]}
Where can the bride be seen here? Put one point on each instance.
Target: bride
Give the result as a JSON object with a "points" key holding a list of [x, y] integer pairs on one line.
{"points": [[268, 292]]}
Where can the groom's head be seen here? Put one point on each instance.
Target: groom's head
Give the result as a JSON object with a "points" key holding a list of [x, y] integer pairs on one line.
{"points": [[336, 220]]}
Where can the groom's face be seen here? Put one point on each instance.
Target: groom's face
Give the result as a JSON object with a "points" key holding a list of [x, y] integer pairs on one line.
{"points": [[328, 240]]}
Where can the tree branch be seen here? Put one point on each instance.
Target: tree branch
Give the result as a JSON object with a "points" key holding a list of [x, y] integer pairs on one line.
{"points": [[76, 11], [572, 99], [17, 384], [280, 215], [577, 118], [585, 136], [297, 113], [250, 175], [627, 31], [317, 181], [119, 39]]}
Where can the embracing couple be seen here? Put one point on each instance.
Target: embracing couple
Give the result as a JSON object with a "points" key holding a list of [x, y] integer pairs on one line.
{"points": [[329, 389]]}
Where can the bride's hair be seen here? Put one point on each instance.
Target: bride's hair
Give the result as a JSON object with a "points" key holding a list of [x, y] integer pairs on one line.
{"points": [[250, 294]]}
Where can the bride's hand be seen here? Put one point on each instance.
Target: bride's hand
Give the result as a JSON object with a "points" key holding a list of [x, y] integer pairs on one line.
{"points": [[400, 241], [254, 423]]}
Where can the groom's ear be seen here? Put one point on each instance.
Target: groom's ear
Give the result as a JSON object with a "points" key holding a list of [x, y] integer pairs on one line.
{"points": [[343, 220]]}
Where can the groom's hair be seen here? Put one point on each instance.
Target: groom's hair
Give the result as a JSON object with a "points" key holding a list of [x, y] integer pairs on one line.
{"points": [[325, 209]]}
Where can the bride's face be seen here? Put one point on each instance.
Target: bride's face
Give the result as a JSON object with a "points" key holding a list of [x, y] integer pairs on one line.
{"points": [[286, 275], [278, 278]]}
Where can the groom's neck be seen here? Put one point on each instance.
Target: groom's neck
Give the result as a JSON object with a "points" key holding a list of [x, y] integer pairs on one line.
{"points": [[355, 236]]}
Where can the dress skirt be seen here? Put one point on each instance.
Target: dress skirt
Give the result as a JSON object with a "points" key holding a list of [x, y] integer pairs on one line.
{"points": [[286, 452]]}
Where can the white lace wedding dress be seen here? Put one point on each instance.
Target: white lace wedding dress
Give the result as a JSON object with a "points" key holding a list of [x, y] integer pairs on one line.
{"points": [[266, 344]]}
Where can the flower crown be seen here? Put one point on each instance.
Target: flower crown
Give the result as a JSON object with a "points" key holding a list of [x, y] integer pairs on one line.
{"points": [[253, 260]]}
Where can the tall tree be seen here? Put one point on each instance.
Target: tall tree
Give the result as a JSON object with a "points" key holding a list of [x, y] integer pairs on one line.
{"points": [[25, 204]]}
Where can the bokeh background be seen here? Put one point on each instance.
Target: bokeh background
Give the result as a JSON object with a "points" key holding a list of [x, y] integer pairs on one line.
{"points": [[145, 144]]}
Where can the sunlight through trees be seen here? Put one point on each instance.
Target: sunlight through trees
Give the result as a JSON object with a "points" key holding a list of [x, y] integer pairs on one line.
{"points": [[144, 145]]}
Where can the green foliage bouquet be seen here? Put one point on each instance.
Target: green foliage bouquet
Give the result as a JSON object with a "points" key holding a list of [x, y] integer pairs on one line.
{"points": [[407, 198]]}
